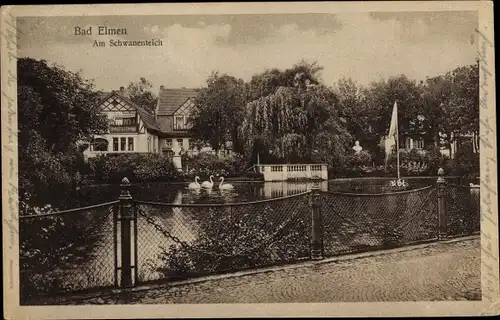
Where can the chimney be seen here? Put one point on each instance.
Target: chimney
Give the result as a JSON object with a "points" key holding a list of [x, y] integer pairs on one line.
{"points": [[122, 89], [162, 87]]}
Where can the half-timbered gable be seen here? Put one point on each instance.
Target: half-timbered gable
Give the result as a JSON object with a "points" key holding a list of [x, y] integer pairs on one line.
{"points": [[131, 128], [173, 110], [181, 116]]}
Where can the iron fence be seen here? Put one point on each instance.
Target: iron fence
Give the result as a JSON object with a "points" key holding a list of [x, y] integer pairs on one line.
{"points": [[462, 210], [181, 241], [128, 242], [67, 251], [359, 222]]}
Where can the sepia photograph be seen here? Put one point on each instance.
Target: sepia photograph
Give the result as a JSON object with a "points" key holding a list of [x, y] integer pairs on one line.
{"points": [[231, 157]]}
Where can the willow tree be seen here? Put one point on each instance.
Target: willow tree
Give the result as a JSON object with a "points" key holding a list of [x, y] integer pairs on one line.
{"points": [[296, 124]]}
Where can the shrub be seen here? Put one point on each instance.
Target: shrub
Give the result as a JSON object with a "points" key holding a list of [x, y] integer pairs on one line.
{"points": [[231, 240], [357, 163], [112, 168], [468, 161], [418, 162], [205, 164], [49, 244], [465, 163]]}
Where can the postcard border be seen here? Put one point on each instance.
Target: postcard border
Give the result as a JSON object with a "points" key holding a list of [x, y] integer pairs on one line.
{"points": [[489, 207]]}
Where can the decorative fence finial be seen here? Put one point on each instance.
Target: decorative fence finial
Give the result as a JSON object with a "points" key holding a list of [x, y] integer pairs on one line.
{"points": [[125, 189], [316, 180], [441, 175]]}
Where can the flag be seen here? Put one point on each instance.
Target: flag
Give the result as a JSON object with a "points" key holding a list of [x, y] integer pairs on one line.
{"points": [[393, 133]]}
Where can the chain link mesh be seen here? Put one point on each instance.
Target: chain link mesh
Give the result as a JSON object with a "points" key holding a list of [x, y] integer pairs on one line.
{"points": [[179, 241], [462, 210], [75, 250], [361, 222], [66, 252]]}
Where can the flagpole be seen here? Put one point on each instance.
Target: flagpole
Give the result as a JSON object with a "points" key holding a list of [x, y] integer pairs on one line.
{"points": [[397, 139]]}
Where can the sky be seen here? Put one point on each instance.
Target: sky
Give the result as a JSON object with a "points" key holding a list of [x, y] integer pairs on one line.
{"points": [[363, 46]]}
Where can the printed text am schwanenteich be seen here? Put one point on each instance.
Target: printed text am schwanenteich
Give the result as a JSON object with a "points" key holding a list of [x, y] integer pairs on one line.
{"points": [[106, 31]]}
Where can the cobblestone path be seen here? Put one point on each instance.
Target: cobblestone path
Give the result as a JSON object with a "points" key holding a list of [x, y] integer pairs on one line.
{"points": [[446, 271]]}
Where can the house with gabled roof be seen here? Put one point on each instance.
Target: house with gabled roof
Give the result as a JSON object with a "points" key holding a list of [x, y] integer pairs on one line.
{"points": [[172, 117], [172, 113], [131, 127], [134, 129]]}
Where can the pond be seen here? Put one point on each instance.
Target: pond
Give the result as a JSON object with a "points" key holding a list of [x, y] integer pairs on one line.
{"points": [[350, 223], [178, 193]]}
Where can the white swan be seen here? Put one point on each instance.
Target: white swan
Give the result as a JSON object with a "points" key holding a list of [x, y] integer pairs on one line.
{"points": [[226, 186], [195, 184], [208, 184]]}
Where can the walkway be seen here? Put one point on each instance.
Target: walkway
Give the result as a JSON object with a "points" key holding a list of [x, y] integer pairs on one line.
{"points": [[444, 271]]}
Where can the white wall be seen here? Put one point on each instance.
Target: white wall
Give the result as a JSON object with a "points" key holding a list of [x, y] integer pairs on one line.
{"points": [[140, 143]]}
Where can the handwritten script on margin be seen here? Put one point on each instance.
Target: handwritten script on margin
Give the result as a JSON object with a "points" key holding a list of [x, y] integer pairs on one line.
{"points": [[488, 186], [9, 153]]}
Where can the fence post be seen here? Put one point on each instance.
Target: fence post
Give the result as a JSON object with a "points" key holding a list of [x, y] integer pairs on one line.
{"points": [[441, 194], [125, 217], [316, 226]]}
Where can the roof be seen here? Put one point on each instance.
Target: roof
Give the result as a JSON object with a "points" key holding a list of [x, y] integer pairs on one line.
{"points": [[170, 100], [147, 118], [101, 95]]}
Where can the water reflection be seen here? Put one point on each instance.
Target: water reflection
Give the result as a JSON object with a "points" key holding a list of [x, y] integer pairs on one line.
{"points": [[242, 192]]}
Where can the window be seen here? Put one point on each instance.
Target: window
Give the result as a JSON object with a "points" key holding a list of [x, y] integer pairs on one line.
{"points": [[168, 143], [100, 144], [180, 123], [180, 143], [129, 121], [189, 145], [418, 144], [130, 144], [169, 154], [115, 144], [123, 142], [408, 143], [150, 147]]}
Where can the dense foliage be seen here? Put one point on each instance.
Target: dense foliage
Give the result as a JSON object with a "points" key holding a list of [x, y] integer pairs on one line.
{"points": [[141, 93], [51, 244], [218, 111], [291, 116], [136, 167], [279, 116], [56, 112], [239, 238]]}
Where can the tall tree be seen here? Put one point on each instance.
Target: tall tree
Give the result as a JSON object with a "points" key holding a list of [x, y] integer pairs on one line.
{"points": [[294, 119], [436, 94], [56, 112], [141, 93], [380, 98], [352, 106], [301, 74], [218, 111], [461, 110]]}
